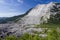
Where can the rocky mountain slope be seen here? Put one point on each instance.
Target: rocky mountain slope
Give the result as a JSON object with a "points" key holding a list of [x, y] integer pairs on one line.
{"points": [[42, 13]]}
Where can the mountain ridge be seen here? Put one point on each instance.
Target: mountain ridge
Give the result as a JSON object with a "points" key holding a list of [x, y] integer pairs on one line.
{"points": [[4, 20]]}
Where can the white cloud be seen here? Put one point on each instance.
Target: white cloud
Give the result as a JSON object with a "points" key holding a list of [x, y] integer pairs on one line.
{"points": [[8, 14], [9, 7], [21, 1], [5, 1], [2, 1]]}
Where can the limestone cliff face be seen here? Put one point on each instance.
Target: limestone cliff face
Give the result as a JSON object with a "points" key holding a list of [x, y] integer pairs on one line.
{"points": [[39, 14]]}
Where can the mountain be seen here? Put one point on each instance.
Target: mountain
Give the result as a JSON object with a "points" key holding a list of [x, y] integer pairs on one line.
{"points": [[42, 13]]}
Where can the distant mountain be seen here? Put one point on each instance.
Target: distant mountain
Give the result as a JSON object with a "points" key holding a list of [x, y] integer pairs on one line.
{"points": [[25, 23], [4, 20]]}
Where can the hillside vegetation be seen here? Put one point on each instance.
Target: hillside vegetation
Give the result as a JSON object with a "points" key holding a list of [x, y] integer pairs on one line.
{"points": [[52, 34]]}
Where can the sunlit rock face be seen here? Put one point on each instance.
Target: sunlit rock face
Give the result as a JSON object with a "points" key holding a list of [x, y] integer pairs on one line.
{"points": [[39, 14]]}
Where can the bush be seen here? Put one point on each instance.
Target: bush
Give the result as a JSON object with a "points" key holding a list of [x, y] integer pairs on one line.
{"points": [[10, 38]]}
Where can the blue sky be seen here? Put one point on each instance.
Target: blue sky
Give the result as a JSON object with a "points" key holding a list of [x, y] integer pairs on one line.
{"points": [[10, 8]]}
